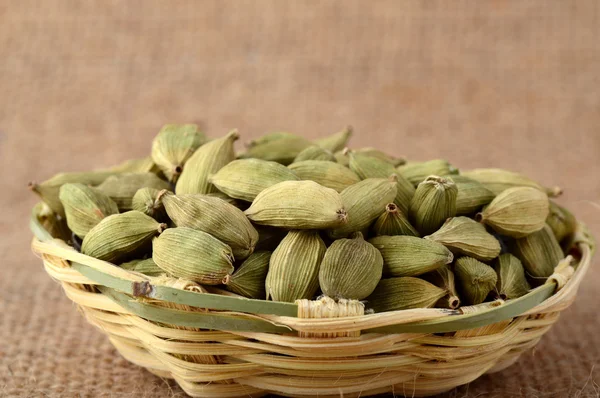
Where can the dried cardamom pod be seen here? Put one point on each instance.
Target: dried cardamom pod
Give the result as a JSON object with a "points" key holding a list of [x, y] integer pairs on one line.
{"points": [[539, 252], [376, 153], [120, 236], [121, 188], [472, 195], [294, 267], [342, 158], [366, 166], [475, 280], [174, 145], [511, 283], [249, 279], [141, 165], [281, 148], [335, 142], [214, 216], [465, 236], [270, 137], [49, 190], [351, 268], [85, 207], [245, 178], [443, 277], [269, 237], [206, 161], [363, 202], [434, 202], [226, 198], [561, 221], [498, 180], [416, 172], [146, 267], [393, 222], [329, 174], [516, 212], [315, 152], [298, 205], [404, 293], [409, 255], [149, 202], [192, 254]]}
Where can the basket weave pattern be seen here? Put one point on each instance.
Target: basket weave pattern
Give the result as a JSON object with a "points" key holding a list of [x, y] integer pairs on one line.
{"points": [[329, 349]]}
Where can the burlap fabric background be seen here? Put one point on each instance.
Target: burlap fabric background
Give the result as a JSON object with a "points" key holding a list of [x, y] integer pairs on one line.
{"points": [[88, 84]]}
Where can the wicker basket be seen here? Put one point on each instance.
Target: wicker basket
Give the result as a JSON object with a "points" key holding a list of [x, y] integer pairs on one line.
{"points": [[218, 344]]}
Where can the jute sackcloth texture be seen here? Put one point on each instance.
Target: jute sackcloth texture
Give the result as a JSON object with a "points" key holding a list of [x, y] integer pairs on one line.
{"points": [[88, 84]]}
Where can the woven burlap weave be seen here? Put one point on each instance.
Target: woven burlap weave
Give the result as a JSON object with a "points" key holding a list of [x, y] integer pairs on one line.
{"points": [[87, 84]]}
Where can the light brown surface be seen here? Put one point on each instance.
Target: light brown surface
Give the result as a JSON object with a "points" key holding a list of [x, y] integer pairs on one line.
{"points": [[84, 85]]}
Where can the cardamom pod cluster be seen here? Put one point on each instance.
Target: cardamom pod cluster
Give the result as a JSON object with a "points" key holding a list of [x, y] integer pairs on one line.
{"points": [[293, 218]]}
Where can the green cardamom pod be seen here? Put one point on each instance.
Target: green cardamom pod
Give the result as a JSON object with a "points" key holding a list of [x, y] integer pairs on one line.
{"points": [[270, 137], [315, 152], [141, 165], [192, 254], [85, 207], [475, 279], [376, 153], [363, 202], [147, 267], [245, 178], [516, 212], [206, 161], [226, 198], [511, 283], [214, 216], [404, 293], [472, 195], [561, 221], [298, 205], [173, 146], [393, 222], [329, 174], [443, 277], [249, 279], [498, 180], [409, 255], [281, 148], [342, 158], [417, 172], [121, 236], [539, 252], [294, 267], [335, 142], [434, 202], [351, 269], [149, 202], [121, 188], [465, 236]]}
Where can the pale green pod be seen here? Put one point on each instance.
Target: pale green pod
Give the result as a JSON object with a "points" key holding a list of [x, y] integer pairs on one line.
{"points": [[225, 197], [465, 236], [443, 277], [174, 145], [122, 188], [376, 153], [298, 205], [294, 267], [315, 152], [121, 236], [417, 172], [410, 256], [49, 190], [511, 282], [192, 254], [499, 180], [214, 216], [270, 137], [329, 174], [475, 280], [363, 202], [249, 279], [561, 221], [85, 207], [342, 158], [245, 178], [539, 252], [516, 212], [404, 293], [149, 202], [146, 267], [141, 165], [283, 148], [434, 202], [351, 269], [393, 222], [206, 161], [472, 195], [335, 142]]}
